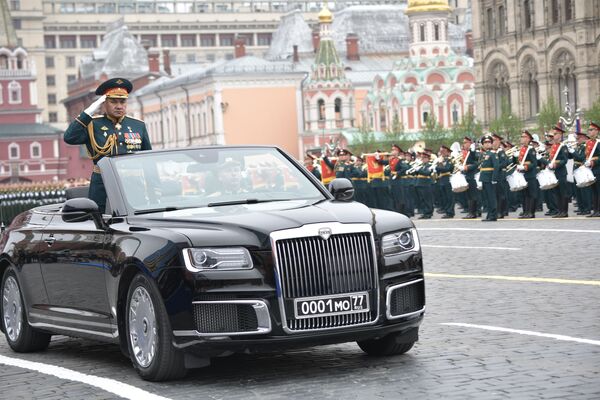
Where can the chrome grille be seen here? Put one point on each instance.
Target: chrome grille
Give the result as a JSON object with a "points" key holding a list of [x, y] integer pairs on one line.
{"points": [[311, 266]]}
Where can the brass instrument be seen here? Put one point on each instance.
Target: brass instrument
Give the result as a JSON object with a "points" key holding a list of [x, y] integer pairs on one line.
{"points": [[415, 166], [511, 152]]}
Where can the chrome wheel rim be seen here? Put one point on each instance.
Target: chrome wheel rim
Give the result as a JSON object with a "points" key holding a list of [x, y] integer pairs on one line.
{"points": [[142, 327], [12, 308]]}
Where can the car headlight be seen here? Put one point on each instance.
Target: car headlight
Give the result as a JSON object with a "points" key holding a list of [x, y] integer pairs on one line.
{"points": [[217, 258], [399, 242]]}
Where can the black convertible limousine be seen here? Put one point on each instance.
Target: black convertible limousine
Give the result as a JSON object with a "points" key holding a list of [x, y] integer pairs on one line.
{"points": [[202, 252]]}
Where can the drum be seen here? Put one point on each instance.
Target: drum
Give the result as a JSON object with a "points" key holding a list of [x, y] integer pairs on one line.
{"points": [[516, 181], [479, 184], [584, 177], [547, 179], [458, 182]]}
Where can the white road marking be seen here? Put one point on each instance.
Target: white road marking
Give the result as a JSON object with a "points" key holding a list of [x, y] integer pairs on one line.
{"points": [[523, 332], [514, 278], [115, 387], [471, 247], [511, 230]]}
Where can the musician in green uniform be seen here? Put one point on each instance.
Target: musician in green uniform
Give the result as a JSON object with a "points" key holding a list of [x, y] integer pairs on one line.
{"points": [[489, 172], [470, 168], [359, 180], [583, 194], [502, 186], [592, 161], [423, 185], [108, 134], [558, 158], [527, 164], [444, 169]]}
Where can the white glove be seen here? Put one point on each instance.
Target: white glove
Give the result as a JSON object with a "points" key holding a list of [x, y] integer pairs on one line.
{"points": [[588, 164], [377, 157], [494, 183], [94, 106], [472, 147], [521, 168], [551, 165]]}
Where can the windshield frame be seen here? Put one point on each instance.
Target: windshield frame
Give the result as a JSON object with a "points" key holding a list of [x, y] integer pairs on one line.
{"points": [[116, 192]]}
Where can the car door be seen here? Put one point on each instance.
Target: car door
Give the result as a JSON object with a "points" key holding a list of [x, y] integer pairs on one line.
{"points": [[74, 269]]}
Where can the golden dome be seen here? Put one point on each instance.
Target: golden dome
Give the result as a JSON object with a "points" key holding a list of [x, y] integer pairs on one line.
{"points": [[325, 16], [427, 5]]}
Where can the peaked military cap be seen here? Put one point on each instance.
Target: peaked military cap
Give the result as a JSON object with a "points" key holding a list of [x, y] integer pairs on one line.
{"points": [[444, 147], [594, 125], [558, 128], [395, 146], [578, 133], [117, 88], [526, 132], [486, 138], [496, 136], [468, 139], [345, 152]]}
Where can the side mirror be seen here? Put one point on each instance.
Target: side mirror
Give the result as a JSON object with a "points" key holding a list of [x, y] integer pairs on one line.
{"points": [[81, 209], [341, 189]]}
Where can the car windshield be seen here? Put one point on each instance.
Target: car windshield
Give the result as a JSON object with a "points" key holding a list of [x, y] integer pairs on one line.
{"points": [[164, 181]]}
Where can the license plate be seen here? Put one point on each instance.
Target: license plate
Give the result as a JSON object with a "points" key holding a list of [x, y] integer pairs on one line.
{"points": [[340, 304]]}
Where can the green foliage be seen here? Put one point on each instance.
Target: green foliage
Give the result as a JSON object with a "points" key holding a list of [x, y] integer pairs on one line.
{"points": [[433, 133], [548, 116], [593, 114], [508, 125], [468, 126]]}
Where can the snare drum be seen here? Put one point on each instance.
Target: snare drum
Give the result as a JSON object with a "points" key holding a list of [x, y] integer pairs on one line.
{"points": [[458, 182], [479, 184], [584, 177], [516, 181], [547, 179]]}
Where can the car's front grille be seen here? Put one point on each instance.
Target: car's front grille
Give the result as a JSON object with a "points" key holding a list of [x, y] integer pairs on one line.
{"points": [[312, 266], [407, 298], [224, 318]]}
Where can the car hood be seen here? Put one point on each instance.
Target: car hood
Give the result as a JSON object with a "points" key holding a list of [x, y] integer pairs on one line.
{"points": [[251, 224]]}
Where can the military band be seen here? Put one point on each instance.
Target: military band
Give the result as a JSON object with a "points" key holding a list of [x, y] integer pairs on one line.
{"points": [[489, 175]]}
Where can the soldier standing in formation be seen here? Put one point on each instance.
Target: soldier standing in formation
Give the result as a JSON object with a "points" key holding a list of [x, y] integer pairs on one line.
{"points": [[558, 157], [592, 154], [108, 134], [488, 175], [527, 164], [444, 169]]}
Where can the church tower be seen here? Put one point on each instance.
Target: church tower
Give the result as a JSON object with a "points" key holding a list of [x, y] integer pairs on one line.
{"points": [[327, 94], [428, 22]]}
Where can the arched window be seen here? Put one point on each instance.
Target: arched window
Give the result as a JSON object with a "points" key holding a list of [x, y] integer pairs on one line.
{"points": [[382, 117], [14, 93], [422, 32], [20, 61], [454, 113], [425, 113], [321, 109], [436, 31], [35, 150], [338, 109], [530, 86], [568, 10], [499, 89], [3, 61], [14, 152], [555, 10], [527, 14], [501, 20], [564, 70]]}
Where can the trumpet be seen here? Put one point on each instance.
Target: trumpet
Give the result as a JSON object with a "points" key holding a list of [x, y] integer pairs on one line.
{"points": [[415, 166], [511, 152]]}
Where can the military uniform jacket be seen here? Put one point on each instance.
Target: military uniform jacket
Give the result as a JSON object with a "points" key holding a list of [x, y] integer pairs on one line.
{"points": [[579, 155], [444, 170], [489, 169], [341, 169], [471, 163], [503, 162], [359, 178], [560, 162], [129, 134], [595, 157], [530, 162], [424, 175]]}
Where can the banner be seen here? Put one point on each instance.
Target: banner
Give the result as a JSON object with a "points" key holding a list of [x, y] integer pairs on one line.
{"points": [[327, 174]]}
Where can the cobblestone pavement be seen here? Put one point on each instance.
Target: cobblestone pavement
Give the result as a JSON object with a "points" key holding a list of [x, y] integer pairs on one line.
{"points": [[449, 361]]}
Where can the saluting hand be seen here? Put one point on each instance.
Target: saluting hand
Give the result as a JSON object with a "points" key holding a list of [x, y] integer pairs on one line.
{"points": [[95, 105]]}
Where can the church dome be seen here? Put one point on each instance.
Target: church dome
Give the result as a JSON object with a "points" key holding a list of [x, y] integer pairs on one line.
{"points": [[415, 6], [325, 16]]}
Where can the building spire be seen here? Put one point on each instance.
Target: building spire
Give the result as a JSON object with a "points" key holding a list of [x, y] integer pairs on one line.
{"points": [[8, 37]]}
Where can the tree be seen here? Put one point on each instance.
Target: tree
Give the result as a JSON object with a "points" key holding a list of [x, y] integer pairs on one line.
{"points": [[548, 116], [508, 125], [468, 126], [433, 133], [593, 114]]}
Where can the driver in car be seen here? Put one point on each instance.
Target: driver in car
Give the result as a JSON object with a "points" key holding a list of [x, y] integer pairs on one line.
{"points": [[229, 178]]}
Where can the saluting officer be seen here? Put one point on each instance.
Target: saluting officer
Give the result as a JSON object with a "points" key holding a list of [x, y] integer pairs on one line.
{"points": [[343, 167], [108, 134], [489, 171]]}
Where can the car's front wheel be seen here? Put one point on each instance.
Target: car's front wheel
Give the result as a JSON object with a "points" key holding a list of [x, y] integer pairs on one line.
{"points": [[149, 333], [392, 344], [21, 337]]}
